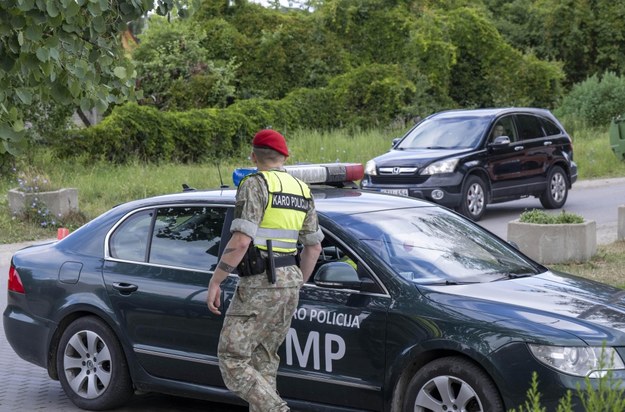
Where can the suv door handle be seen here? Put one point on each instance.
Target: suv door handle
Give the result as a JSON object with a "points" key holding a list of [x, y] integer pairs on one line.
{"points": [[125, 288], [518, 148], [547, 143]]}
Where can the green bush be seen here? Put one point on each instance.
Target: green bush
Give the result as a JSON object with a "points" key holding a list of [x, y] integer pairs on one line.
{"points": [[541, 217], [371, 95], [595, 101], [174, 70], [366, 96]]}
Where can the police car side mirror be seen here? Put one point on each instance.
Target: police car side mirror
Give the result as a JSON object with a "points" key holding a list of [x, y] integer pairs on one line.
{"points": [[395, 141], [337, 275]]}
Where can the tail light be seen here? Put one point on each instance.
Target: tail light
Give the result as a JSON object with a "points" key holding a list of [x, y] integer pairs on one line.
{"points": [[15, 283]]}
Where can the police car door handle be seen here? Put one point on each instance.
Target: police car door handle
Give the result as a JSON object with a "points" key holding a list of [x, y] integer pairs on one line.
{"points": [[547, 143], [125, 288], [518, 148]]}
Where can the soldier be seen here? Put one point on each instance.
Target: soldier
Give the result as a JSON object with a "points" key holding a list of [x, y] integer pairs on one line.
{"points": [[274, 211]]}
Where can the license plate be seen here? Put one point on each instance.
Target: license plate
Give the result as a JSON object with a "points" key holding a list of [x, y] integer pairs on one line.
{"points": [[401, 192]]}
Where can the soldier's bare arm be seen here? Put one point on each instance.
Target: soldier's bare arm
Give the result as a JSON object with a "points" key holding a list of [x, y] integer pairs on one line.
{"points": [[308, 259], [233, 253]]}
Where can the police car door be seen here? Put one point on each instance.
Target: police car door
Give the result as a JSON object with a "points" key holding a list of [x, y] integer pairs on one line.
{"points": [[334, 351], [159, 264]]}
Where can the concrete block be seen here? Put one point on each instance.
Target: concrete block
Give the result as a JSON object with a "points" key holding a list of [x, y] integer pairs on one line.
{"points": [[59, 202], [555, 243]]}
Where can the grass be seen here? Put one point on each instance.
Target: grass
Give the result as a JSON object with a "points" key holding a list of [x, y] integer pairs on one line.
{"points": [[102, 185], [606, 266]]}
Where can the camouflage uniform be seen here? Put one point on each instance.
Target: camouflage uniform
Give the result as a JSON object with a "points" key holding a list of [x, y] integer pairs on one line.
{"points": [[259, 315]]}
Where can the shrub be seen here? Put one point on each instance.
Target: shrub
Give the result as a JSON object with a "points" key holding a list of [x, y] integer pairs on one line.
{"points": [[596, 100], [541, 217], [371, 95], [172, 62]]}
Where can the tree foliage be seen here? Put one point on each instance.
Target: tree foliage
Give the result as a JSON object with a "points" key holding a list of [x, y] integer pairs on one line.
{"points": [[364, 62], [62, 51], [174, 70], [586, 36]]}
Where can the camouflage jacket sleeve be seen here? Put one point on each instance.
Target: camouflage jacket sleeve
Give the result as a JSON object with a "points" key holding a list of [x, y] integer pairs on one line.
{"points": [[251, 201]]}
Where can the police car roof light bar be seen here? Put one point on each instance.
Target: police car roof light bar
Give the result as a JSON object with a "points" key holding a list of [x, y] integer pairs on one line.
{"points": [[320, 173]]}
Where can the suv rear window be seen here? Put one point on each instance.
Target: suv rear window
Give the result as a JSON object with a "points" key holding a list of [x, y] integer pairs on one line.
{"points": [[550, 128]]}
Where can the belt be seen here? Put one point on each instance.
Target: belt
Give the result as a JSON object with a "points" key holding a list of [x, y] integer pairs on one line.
{"points": [[278, 262], [282, 261]]}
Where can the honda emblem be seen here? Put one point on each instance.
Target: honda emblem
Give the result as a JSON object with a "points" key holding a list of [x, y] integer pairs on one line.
{"points": [[396, 170]]}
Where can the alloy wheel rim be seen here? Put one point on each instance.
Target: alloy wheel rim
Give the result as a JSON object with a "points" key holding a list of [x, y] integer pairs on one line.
{"points": [[87, 364], [557, 187], [447, 393], [475, 199]]}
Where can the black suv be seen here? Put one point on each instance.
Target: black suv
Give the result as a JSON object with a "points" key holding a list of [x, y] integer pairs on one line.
{"points": [[466, 159]]}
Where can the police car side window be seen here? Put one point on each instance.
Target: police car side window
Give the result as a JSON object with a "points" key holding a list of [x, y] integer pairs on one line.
{"points": [[130, 240], [333, 252], [187, 237]]}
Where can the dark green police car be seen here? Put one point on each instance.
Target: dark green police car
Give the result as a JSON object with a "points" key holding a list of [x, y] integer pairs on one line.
{"points": [[412, 308]]}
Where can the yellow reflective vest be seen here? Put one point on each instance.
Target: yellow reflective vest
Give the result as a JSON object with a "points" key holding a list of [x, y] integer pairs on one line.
{"points": [[288, 203]]}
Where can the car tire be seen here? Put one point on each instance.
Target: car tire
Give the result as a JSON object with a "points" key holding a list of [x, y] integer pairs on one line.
{"points": [[473, 203], [92, 367], [554, 196], [452, 384]]}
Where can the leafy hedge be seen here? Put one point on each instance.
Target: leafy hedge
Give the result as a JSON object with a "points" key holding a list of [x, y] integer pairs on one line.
{"points": [[144, 133], [364, 97]]}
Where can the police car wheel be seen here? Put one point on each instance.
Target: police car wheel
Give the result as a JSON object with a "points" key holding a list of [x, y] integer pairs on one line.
{"points": [[92, 367], [452, 384]]}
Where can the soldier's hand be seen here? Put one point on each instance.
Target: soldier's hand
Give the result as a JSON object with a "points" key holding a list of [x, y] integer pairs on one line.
{"points": [[213, 299]]}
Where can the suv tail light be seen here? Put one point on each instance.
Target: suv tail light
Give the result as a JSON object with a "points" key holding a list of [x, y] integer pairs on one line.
{"points": [[15, 283]]}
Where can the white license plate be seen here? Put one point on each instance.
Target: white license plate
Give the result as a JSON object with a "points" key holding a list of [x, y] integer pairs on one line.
{"points": [[401, 192]]}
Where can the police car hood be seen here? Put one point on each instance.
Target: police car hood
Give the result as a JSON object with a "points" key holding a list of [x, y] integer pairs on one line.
{"points": [[416, 157], [592, 311]]}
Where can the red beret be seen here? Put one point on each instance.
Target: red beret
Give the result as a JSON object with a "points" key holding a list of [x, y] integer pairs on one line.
{"points": [[271, 139]]}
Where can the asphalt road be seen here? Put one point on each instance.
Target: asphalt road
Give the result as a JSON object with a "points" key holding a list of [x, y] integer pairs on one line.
{"points": [[596, 200], [26, 387]]}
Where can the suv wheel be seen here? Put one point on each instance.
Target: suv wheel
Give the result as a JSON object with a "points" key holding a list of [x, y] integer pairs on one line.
{"points": [[452, 384], [473, 203], [557, 190]]}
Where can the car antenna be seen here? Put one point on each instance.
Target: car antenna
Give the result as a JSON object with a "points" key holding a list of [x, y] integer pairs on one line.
{"points": [[221, 180]]}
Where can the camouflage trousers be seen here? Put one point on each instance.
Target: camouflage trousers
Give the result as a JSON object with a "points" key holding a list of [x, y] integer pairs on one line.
{"points": [[255, 325]]}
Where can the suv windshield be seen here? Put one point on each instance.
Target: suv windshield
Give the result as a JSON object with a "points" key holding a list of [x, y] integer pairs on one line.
{"points": [[458, 132], [433, 246]]}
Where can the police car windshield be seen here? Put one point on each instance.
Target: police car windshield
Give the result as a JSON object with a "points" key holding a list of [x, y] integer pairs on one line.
{"points": [[435, 246], [458, 132]]}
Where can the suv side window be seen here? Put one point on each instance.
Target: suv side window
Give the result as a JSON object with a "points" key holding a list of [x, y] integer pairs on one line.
{"points": [[507, 123], [529, 127], [550, 128], [187, 237]]}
